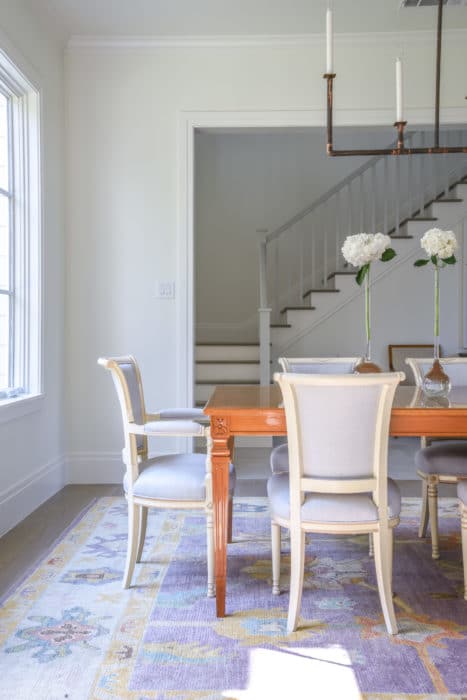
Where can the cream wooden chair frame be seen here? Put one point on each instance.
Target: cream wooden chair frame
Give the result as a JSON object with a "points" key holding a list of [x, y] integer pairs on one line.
{"points": [[463, 512], [135, 454], [430, 482], [381, 529], [290, 364]]}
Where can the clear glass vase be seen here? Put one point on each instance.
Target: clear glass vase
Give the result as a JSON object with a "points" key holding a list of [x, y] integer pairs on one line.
{"points": [[366, 366], [436, 382]]}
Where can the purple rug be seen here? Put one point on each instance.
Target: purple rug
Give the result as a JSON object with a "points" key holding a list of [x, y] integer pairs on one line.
{"points": [[70, 630]]}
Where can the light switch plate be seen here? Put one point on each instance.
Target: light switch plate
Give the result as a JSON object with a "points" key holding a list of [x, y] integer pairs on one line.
{"points": [[165, 290]]}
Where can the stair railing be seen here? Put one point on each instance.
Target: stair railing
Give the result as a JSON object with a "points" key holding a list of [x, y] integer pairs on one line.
{"points": [[381, 195]]}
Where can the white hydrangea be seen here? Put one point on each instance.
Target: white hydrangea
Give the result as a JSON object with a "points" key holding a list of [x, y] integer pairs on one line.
{"points": [[363, 248], [440, 243]]}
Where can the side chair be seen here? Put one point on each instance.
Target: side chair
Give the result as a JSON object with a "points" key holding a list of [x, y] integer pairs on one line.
{"points": [[338, 429], [279, 459], [181, 481], [443, 463]]}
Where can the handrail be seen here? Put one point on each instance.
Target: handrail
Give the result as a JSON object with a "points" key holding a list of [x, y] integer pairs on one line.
{"points": [[330, 193]]}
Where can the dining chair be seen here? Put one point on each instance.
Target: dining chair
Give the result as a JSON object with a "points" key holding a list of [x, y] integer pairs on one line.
{"points": [[181, 481], [279, 458], [462, 496], [338, 429], [437, 464]]}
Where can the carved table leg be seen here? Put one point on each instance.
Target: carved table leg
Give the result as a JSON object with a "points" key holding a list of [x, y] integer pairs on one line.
{"points": [[221, 458]]}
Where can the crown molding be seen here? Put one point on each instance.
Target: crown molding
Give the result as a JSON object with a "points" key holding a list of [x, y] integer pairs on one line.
{"points": [[255, 40]]}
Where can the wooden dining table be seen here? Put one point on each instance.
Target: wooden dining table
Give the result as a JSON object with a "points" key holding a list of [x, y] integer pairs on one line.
{"points": [[252, 410]]}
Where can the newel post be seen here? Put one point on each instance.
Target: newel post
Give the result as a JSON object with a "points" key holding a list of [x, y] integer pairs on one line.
{"points": [[264, 317]]}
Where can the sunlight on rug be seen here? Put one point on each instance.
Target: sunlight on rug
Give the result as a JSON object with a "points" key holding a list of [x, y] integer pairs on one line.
{"points": [[70, 631]]}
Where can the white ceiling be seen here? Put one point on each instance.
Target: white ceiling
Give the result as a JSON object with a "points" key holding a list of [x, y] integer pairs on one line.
{"points": [[241, 17]]}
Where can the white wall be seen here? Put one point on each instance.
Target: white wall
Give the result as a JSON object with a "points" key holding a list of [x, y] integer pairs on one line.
{"points": [[125, 217], [32, 447]]}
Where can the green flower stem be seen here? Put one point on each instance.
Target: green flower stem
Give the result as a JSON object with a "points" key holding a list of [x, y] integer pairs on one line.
{"points": [[436, 320], [367, 313]]}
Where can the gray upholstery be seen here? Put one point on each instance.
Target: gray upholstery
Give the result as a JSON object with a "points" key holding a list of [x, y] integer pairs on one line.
{"points": [[322, 367], [330, 508], [174, 427], [279, 459], [443, 458], [183, 414], [462, 491], [176, 477]]}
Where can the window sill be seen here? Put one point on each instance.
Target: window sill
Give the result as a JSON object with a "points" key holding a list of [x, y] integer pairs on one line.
{"points": [[12, 409]]}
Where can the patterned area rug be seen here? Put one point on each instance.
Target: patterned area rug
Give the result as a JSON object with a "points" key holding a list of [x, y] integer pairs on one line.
{"points": [[70, 631]]}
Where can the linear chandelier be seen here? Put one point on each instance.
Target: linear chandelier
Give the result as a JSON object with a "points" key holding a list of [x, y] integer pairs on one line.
{"points": [[400, 124]]}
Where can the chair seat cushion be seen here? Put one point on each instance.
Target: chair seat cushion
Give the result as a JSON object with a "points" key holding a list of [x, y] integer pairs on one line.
{"points": [[175, 477], [173, 427], [183, 414], [443, 458], [462, 491], [330, 508], [279, 459]]}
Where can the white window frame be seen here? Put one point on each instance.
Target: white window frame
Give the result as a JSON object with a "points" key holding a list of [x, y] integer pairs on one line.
{"points": [[26, 244]]}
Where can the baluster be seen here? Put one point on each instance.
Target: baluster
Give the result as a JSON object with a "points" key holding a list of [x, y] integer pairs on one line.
{"points": [[338, 228], [373, 198], [446, 168], [422, 177], [301, 290], [276, 279], [313, 257], [409, 180], [325, 246], [362, 204], [397, 194], [385, 194]]}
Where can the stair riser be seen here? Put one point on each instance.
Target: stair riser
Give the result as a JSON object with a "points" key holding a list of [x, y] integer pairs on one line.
{"points": [[227, 352], [219, 373]]}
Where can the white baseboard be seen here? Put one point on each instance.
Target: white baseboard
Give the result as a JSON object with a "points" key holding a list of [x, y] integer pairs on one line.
{"points": [[21, 499], [95, 468]]}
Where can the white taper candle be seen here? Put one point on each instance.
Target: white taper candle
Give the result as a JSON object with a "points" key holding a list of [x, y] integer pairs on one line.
{"points": [[329, 56], [399, 90]]}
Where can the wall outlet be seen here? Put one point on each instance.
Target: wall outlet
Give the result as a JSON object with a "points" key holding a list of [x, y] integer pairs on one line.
{"points": [[165, 290]]}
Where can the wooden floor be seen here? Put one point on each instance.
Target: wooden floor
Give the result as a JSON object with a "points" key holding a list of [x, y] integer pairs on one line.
{"points": [[29, 542]]}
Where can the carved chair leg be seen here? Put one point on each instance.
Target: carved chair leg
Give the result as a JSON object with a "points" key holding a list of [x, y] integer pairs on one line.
{"points": [[464, 545], [383, 566], [433, 513], [371, 546], [143, 522], [297, 570], [132, 545], [276, 557], [424, 514]]}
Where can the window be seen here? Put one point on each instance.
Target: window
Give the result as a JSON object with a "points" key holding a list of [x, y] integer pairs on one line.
{"points": [[19, 237]]}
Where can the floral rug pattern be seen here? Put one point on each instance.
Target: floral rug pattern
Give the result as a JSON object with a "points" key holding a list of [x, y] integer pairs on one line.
{"points": [[70, 631]]}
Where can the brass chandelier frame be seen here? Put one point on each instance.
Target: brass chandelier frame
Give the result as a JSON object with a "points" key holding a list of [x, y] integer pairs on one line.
{"points": [[400, 149]]}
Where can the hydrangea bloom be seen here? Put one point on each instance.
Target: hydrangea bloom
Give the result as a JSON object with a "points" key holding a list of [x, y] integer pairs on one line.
{"points": [[364, 248], [440, 243]]}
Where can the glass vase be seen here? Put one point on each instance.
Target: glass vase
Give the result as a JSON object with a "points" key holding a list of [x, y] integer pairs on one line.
{"points": [[366, 366], [436, 382]]}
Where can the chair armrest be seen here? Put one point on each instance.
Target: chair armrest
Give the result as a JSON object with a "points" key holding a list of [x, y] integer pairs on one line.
{"points": [[178, 414], [168, 428]]}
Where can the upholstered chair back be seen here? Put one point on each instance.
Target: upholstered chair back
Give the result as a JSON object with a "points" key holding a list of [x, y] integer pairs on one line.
{"points": [[319, 365]]}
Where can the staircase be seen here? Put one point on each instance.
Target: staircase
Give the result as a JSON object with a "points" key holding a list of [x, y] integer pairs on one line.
{"points": [[304, 279]]}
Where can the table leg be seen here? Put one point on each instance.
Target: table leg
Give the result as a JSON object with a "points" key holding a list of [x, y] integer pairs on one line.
{"points": [[221, 458]]}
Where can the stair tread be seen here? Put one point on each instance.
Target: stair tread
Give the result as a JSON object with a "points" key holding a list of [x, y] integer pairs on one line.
{"points": [[446, 200], [280, 325], [297, 308], [227, 362], [319, 291], [402, 237], [424, 218], [227, 345], [206, 382], [333, 274]]}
